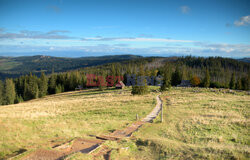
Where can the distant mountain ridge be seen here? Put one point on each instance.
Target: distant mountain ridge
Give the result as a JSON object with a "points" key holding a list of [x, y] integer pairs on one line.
{"points": [[245, 60], [15, 66]]}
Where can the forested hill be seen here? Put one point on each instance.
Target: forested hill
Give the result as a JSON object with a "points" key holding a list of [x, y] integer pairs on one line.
{"points": [[15, 66], [214, 72]]}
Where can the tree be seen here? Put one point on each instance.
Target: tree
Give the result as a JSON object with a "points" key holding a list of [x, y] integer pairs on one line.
{"points": [[184, 73], [1, 92], [31, 90], [18, 99], [20, 86], [195, 81], [239, 84], [59, 89], [176, 77], [206, 80], [52, 84], [43, 85], [232, 81], [101, 81], [166, 79], [113, 73], [9, 91], [245, 83], [141, 86]]}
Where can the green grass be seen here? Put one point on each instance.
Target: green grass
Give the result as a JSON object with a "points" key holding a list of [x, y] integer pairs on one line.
{"points": [[6, 65], [34, 124], [198, 125]]}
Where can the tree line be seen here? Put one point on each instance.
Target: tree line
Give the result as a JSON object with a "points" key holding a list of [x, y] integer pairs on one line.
{"points": [[203, 72]]}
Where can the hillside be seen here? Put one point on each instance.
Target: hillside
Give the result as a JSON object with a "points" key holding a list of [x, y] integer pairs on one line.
{"points": [[55, 119], [198, 123], [15, 66]]}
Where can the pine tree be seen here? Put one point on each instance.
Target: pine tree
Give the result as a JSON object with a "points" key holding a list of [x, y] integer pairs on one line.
{"points": [[176, 77], [245, 83], [52, 84], [141, 86], [1, 92], [20, 86], [59, 89], [72, 81], [166, 79], [184, 74], [101, 81], [43, 85], [9, 91], [83, 80], [232, 81], [238, 84], [206, 81], [113, 73], [18, 99], [31, 90]]}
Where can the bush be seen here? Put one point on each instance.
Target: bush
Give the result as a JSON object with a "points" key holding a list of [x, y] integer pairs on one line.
{"points": [[195, 81]]}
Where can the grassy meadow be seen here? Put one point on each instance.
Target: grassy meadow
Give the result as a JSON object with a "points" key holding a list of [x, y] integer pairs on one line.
{"points": [[40, 123], [198, 123]]}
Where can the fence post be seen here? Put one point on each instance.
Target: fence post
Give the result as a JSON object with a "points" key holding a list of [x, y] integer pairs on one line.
{"points": [[162, 113]]}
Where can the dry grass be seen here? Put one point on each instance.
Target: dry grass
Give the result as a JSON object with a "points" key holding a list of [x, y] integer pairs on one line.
{"points": [[198, 125], [61, 117]]}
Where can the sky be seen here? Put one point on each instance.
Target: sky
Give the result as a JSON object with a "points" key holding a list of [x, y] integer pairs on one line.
{"points": [[78, 28]]}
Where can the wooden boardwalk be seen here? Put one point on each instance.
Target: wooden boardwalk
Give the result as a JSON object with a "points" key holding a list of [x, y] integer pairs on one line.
{"points": [[88, 146]]}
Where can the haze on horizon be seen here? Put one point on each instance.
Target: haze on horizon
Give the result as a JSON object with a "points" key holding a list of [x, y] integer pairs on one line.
{"points": [[75, 28]]}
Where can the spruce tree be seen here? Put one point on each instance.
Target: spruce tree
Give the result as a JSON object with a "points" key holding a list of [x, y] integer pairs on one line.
{"points": [[101, 80], [245, 83], [43, 85], [239, 84], [52, 84], [206, 81], [20, 86], [59, 89], [113, 73], [184, 73], [18, 99], [72, 81], [232, 81], [141, 86], [166, 80], [31, 90], [9, 91], [176, 77]]}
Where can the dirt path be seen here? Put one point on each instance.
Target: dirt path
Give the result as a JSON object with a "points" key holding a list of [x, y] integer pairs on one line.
{"points": [[88, 146]]}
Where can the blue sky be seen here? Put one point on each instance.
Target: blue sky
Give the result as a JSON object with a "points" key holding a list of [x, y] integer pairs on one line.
{"points": [[76, 28]]}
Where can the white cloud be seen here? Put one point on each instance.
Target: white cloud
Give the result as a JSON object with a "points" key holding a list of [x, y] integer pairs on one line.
{"points": [[195, 49], [244, 21], [185, 9], [134, 39], [230, 49], [54, 34]]}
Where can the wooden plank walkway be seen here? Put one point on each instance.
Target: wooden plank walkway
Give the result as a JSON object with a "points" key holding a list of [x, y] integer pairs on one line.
{"points": [[150, 117], [88, 146]]}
